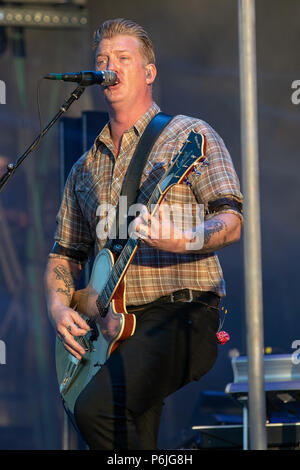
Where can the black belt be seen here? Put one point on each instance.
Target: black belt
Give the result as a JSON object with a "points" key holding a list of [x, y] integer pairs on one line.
{"points": [[187, 295]]}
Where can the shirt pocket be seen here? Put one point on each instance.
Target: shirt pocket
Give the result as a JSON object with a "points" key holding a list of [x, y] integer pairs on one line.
{"points": [[88, 197]]}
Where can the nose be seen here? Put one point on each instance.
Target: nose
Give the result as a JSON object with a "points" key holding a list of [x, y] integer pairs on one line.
{"points": [[111, 65]]}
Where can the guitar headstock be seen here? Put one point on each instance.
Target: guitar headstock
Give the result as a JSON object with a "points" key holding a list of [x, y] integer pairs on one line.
{"points": [[190, 157]]}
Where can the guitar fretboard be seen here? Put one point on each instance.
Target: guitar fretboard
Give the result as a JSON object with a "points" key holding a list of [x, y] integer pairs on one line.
{"points": [[124, 258], [118, 270]]}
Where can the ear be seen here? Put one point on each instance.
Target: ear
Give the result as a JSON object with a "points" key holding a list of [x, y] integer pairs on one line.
{"points": [[150, 73]]}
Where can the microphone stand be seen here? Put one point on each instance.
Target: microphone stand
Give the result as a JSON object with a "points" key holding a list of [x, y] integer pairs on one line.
{"points": [[11, 167]]}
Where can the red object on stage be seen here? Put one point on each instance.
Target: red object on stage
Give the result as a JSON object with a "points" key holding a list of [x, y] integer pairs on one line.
{"points": [[223, 337]]}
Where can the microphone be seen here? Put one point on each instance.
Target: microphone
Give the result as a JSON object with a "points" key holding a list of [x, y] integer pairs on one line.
{"points": [[86, 77]]}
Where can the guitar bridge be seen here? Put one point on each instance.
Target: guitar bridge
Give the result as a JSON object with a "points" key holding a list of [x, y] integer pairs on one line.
{"points": [[94, 331]]}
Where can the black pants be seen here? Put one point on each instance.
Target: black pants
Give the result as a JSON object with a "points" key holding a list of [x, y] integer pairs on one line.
{"points": [[174, 343]]}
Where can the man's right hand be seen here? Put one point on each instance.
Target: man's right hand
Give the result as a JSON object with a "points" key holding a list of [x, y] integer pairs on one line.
{"points": [[68, 323]]}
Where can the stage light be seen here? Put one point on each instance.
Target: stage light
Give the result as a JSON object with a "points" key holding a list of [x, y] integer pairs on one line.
{"points": [[46, 14]]}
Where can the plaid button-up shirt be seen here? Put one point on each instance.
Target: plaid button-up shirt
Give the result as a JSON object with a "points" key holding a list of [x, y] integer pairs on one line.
{"points": [[94, 185]]}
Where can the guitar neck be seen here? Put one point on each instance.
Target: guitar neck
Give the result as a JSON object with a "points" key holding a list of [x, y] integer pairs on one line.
{"points": [[127, 253], [118, 270], [191, 154]]}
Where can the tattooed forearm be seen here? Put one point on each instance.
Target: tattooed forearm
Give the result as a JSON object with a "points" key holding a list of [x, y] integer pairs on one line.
{"points": [[65, 292], [64, 275], [215, 226], [215, 233]]}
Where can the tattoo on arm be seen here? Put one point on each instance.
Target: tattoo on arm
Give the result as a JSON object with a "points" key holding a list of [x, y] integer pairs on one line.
{"points": [[63, 274], [215, 226]]}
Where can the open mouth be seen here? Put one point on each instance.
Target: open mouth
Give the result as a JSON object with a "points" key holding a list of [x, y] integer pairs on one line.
{"points": [[115, 84]]}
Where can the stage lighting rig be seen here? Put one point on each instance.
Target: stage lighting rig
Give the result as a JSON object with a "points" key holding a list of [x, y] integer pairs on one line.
{"points": [[44, 13]]}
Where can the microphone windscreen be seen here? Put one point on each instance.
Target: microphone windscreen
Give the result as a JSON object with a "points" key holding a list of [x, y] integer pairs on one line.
{"points": [[110, 78]]}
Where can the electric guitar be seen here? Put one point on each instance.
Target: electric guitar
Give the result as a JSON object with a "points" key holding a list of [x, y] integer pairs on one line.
{"points": [[102, 302]]}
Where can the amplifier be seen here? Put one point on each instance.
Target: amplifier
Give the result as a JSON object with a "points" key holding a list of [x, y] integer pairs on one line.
{"points": [[279, 436]]}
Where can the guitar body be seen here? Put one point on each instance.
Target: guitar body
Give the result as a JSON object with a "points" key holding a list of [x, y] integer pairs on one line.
{"points": [[105, 336], [102, 302]]}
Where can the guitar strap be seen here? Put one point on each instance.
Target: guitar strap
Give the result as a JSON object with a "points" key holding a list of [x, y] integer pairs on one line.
{"points": [[131, 182]]}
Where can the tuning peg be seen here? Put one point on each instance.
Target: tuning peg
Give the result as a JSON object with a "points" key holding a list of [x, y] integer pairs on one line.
{"points": [[187, 182], [197, 172]]}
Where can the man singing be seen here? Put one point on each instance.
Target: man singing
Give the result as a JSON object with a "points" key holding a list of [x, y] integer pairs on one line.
{"points": [[173, 286]]}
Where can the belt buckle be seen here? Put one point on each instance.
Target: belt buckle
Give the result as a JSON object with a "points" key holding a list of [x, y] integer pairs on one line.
{"points": [[190, 299]]}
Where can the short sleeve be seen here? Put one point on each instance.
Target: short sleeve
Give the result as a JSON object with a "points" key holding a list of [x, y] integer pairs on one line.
{"points": [[72, 229], [218, 182]]}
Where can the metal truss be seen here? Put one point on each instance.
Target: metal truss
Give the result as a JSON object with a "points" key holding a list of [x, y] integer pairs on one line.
{"points": [[44, 14], [48, 2]]}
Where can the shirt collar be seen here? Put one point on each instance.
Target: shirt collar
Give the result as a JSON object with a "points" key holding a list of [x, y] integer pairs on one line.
{"points": [[144, 120], [138, 127]]}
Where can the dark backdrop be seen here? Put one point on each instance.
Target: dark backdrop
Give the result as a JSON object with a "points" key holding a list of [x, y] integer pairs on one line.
{"points": [[197, 57]]}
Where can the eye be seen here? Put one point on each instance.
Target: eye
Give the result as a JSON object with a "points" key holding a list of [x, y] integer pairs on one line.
{"points": [[101, 62]]}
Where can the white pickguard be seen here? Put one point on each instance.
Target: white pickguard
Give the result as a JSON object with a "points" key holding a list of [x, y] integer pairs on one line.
{"points": [[101, 270]]}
